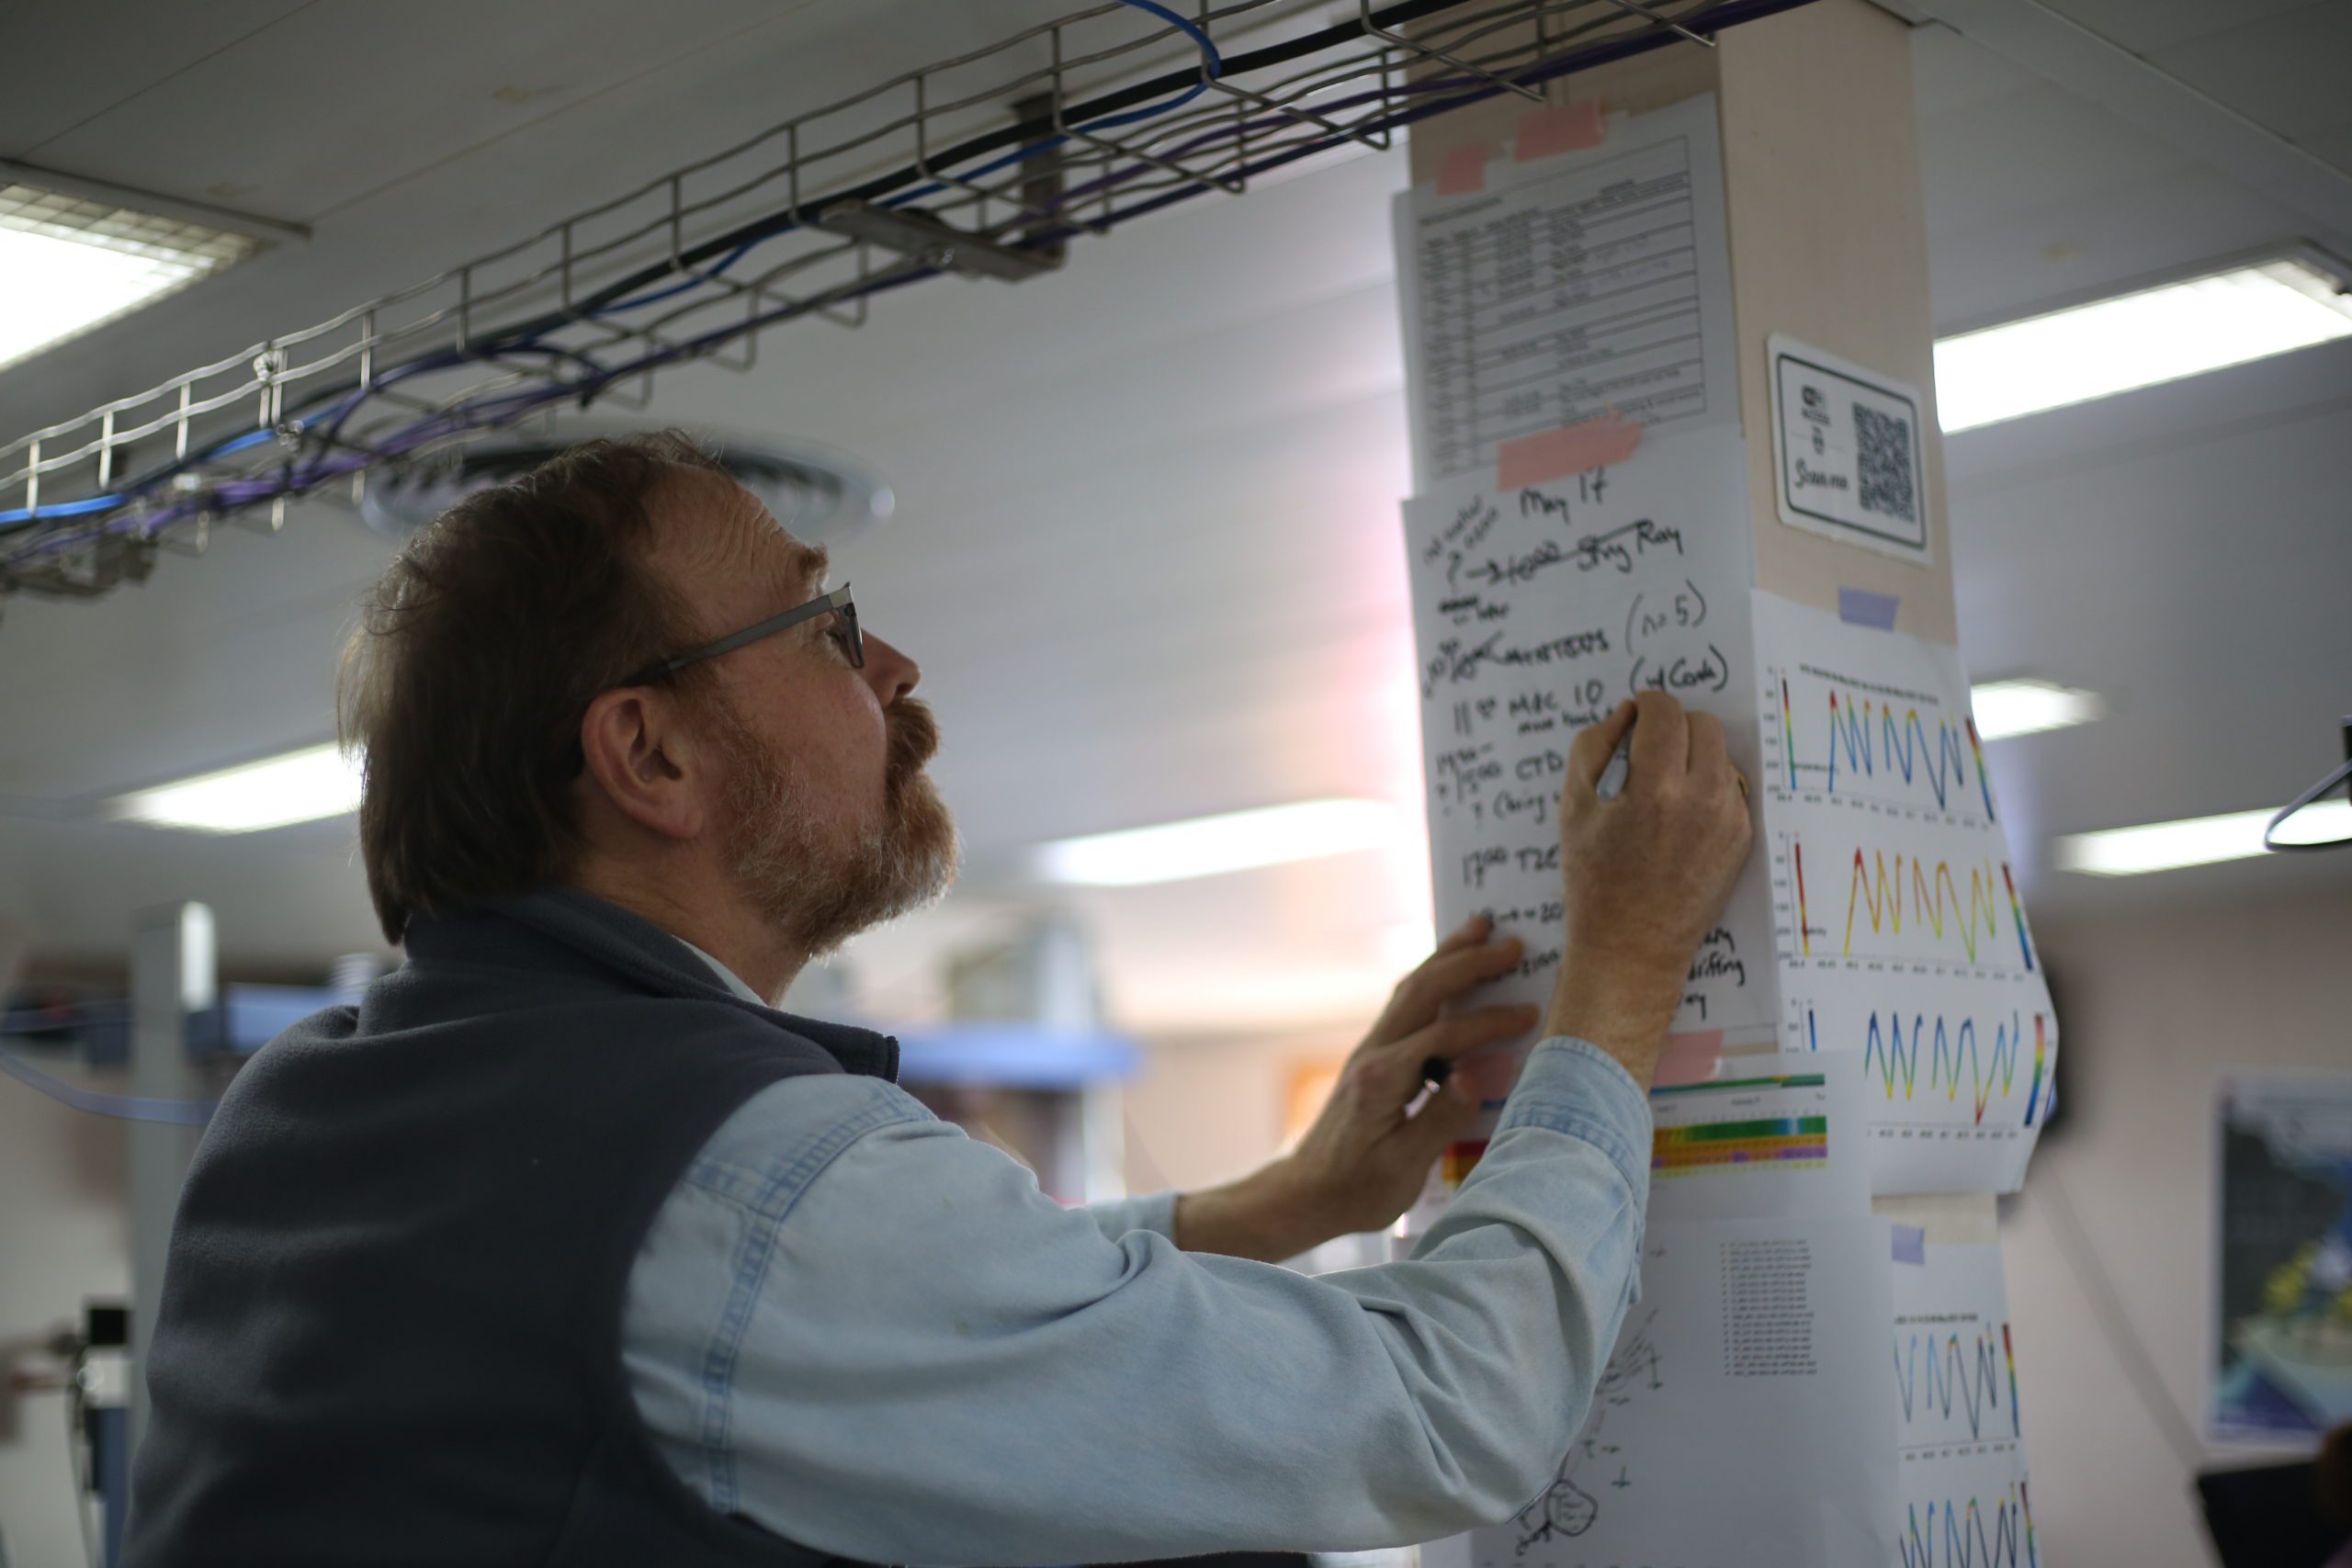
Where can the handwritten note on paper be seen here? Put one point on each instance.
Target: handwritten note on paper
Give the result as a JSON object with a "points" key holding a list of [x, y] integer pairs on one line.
{"points": [[1535, 611]]}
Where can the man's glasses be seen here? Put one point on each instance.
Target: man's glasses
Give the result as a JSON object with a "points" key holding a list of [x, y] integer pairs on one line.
{"points": [[837, 601]]}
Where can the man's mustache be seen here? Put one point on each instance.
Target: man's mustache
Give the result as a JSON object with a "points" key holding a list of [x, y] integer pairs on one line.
{"points": [[914, 737]]}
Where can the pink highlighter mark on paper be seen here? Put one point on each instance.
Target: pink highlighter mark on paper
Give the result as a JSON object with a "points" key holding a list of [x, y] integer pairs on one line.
{"points": [[1691, 1057], [1571, 450], [1462, 170], [1563, 129]]}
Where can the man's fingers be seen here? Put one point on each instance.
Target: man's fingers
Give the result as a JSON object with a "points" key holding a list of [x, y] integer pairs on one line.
{"points": [[1661, 739], [1467, 933], [1448, 1117], [1432, 1051], [1589, 754], [1709, 753], [1465, 1031], [1443, 976]]}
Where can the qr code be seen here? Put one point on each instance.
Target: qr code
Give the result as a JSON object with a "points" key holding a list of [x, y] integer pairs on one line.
{"points": [[1882, 453]]}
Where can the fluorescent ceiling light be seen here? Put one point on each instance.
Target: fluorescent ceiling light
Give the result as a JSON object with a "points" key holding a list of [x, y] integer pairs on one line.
{"points": [[2199, 840], [2136, 340], [1207, 845], [68, 263], [299, 786], [2004, 709]]}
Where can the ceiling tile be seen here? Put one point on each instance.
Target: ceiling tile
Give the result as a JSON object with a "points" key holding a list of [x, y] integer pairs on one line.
{"points": [[2289, 73], [335, 101], [2030, 152], [1949, 73], [2332, 146], [2141, 26], [69, 62]]}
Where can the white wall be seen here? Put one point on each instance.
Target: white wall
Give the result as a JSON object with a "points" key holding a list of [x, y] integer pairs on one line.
{"points": [[63, 1239], [2154, 1005]]}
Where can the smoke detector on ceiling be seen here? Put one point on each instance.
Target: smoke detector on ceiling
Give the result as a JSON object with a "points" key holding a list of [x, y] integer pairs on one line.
{"points": [[820, 495]]}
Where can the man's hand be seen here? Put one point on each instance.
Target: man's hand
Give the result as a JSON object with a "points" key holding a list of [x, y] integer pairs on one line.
{"points": [[1365, 1159], [1646, 873]]}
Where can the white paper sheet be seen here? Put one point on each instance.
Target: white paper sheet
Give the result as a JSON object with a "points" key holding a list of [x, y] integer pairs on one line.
{"points": [[1745, 1417], [1899, 932], [1779, 1134], [1535, 611], [1964, 1502], [1573, 286], [1958, 1074]]}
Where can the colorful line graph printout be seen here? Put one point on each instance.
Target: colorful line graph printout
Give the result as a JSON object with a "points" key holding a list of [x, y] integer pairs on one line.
{"points": [[1900, 934], [1870, 720], [1959, 1072], [1780, 1133], [1964, 1497], [1851, 892]]}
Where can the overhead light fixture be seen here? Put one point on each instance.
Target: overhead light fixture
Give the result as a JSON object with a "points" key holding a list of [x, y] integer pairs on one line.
{"points": [[69, 262], [1206, 846], [2221, 317], [2198, 840], [821, 496], [2026, 706], [275, 792]]}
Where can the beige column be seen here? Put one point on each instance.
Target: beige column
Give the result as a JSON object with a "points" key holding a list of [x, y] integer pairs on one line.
{"points": [[1829, 242], [1828, 245]]}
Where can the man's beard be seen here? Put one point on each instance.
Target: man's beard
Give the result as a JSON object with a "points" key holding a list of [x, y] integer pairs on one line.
{"points": [[814, 885]]}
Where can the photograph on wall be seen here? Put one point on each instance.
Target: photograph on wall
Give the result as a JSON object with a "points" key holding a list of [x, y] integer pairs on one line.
{"points": [[2282, 1321]]}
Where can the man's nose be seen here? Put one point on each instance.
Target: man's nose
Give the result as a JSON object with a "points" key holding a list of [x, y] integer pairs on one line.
{"points": [[892, 673]]}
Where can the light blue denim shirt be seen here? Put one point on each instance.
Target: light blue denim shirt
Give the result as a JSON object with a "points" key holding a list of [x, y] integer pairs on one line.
{"points": [[858, 1327]]}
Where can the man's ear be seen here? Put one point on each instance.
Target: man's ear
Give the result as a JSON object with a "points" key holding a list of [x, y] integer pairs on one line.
{"points": [[637, 754]]}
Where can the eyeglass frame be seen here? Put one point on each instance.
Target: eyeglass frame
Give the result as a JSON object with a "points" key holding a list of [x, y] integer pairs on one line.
{"points": [[838, 602]]}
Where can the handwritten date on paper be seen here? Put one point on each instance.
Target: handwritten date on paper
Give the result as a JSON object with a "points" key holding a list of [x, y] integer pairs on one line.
{"points": [[1536, 611]]}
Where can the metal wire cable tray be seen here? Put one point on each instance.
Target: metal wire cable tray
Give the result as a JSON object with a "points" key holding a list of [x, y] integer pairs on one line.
{"points": [[915, 177]]}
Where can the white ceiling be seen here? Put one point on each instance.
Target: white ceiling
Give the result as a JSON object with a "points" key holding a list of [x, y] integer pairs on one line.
{"points": [[1146, 535]]}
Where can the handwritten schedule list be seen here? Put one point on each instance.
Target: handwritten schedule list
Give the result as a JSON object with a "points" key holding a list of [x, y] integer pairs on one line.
{"points": [[1536, 611]]}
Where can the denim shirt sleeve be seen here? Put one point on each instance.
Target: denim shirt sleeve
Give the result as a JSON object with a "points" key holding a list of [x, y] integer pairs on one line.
{"points": [[1155, 1212], [863, 1330]]}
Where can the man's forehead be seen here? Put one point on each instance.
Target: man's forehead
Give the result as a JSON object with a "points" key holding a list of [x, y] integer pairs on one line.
{"points": [[728, 535], [812, 565], [788, 568]]}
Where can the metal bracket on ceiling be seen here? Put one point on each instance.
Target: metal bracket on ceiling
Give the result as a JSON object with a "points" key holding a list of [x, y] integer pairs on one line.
{"points": [[934, 244], [773, 229]]}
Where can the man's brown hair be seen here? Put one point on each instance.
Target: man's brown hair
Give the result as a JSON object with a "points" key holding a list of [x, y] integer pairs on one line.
{"points": [[477, 654]]}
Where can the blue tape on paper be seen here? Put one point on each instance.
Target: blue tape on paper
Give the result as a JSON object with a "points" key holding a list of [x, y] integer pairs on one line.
{"points": [[1860, 607], [1910, 1244]]}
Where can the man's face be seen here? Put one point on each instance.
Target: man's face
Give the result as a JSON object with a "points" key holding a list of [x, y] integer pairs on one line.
{"points": [[829, 823]]}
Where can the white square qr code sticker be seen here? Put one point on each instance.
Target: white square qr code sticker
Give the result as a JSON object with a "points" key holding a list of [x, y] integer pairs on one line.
{"points": [[1847, 451]]}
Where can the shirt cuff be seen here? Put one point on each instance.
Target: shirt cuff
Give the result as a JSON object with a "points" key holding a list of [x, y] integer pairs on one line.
{"points": [[1154, 1211], [1574, 1087]]}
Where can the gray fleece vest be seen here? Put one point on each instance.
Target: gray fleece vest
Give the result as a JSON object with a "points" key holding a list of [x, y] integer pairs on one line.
{"points": [[390, 1325]]}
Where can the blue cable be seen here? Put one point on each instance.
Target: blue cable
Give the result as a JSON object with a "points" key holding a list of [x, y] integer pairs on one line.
{"points": [[1211, 59], [1209, 55]]}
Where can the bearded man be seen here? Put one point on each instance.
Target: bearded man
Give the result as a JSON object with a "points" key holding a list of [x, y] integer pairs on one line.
{"points": [[565, 1247]]}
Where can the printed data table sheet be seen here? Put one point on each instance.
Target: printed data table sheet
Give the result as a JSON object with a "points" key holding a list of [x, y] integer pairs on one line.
{"points": [[1577, 286]]}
